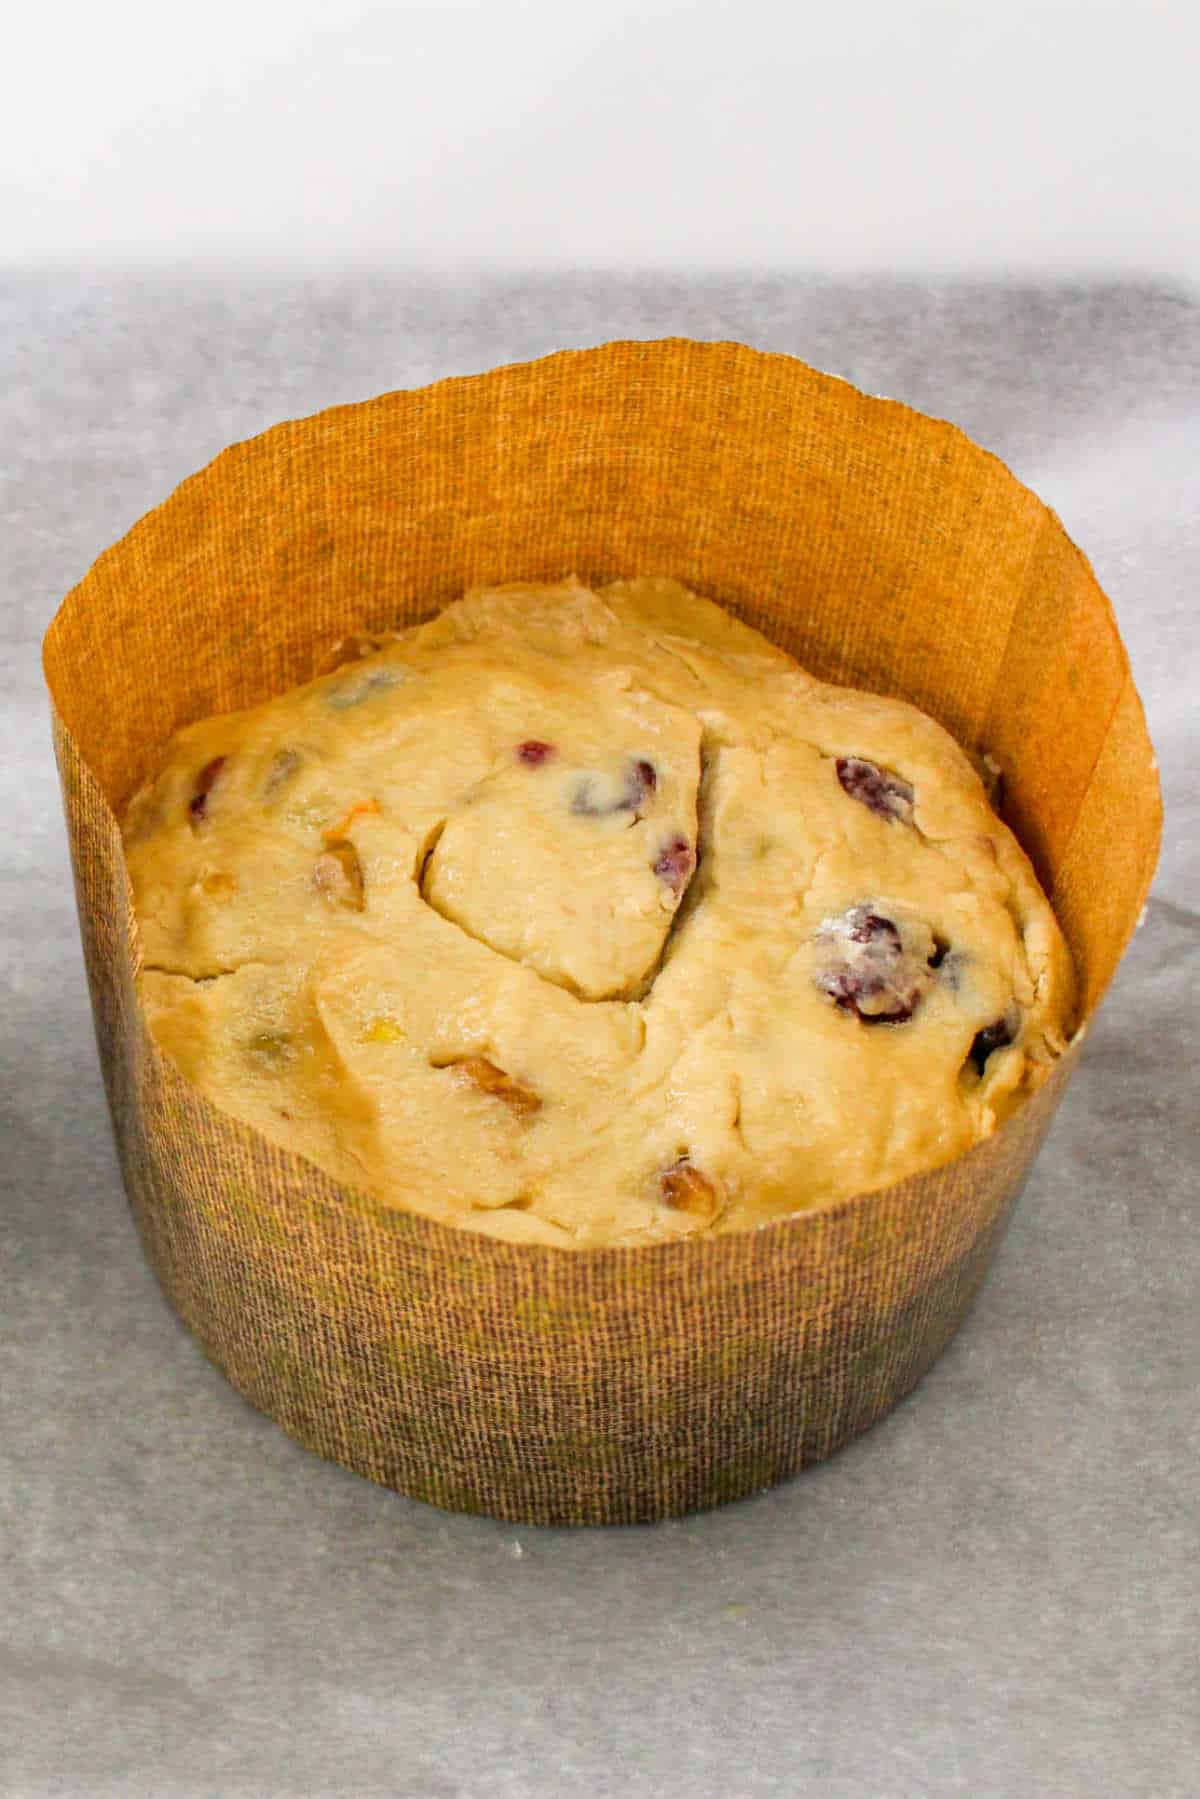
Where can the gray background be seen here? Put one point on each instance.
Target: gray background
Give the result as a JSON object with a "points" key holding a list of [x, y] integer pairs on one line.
{"points": [[993, 1593]]}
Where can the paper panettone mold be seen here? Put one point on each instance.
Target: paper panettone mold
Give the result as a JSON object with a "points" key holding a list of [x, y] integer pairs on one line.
{"points": [[883, 549]]}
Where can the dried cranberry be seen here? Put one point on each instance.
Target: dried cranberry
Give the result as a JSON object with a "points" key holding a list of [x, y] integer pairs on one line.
{"points": [[881, 791], [675, 863], [205, 782], [641, 780], [534, 752], [848, 988], [865, 926], [867, 970], [992, 1036]]}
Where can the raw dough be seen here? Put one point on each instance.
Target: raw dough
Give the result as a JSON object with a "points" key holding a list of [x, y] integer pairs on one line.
{"points": [[590, 918]]}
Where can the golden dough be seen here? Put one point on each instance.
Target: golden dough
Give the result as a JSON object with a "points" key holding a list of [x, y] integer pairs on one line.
{"points": [[590, 918]]}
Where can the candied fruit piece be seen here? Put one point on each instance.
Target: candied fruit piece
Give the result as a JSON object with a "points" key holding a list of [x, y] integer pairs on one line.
{"points": [[879, 789], [363, 809], [493, 1081], [685, 1189], [383, 1030], [218, 884], [338, 875]]}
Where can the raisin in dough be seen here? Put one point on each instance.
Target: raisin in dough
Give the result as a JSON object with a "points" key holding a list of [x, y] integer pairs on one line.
{"points": [[590, 918]]}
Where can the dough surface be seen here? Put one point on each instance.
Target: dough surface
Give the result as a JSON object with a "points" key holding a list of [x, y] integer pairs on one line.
{"points": [[589, 918]]}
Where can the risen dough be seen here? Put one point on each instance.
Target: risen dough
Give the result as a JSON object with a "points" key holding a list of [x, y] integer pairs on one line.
{"points": [[590, 918]]}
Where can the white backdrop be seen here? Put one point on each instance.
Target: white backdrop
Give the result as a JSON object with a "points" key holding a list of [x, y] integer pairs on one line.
{"points": [[990, 135]]}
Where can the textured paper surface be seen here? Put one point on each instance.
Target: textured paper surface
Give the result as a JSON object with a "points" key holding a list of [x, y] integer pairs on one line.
{"points": [[882, 548]]}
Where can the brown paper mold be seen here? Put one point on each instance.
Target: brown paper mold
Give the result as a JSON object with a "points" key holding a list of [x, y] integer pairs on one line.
{"points": [[883, 549]]}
